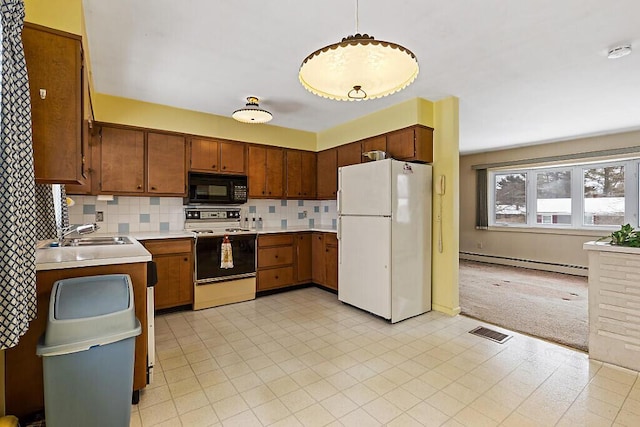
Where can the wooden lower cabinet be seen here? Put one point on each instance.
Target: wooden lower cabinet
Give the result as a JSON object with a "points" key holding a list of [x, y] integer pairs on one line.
{"points": [[303, 258], [318, 270], [24, 389], [174, 262], [325, 259], [331, 260], [275, 261]]}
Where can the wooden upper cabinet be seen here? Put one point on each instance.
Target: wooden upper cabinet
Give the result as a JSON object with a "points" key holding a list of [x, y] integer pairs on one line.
{"points": [[166, 164], [327, 173], [257, 175], [266, 172], [134, 161], [232, 157], [376, 143], [205, 155], [301, 174], [349, 154], [309, 175], [413, 143], [121, 160], [275, 173], [294, 174], [54, 68], [213, 155]]}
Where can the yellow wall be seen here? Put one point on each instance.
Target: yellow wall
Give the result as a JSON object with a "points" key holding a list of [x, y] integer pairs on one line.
{"points": [[112, 109], [411, 112], [552, 246], [446, 163], [65, 15]]}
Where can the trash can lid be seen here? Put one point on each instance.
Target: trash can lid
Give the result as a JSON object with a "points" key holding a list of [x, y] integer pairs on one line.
{"points": [[85, 312], [91, 296]]}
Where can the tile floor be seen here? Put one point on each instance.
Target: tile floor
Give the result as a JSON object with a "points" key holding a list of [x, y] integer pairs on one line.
{"points": [[302, 358]]}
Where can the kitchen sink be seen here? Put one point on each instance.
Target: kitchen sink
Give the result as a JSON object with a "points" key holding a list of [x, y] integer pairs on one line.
{"points": [[96, 241]]}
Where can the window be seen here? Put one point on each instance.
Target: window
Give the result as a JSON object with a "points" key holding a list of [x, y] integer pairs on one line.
{"points": [[604, 196], [597, 195], [510, 198], [553, 197]]}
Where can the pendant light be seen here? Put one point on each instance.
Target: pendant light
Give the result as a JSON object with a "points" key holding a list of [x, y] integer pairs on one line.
{"points": [[252, 113], [358, 68]]}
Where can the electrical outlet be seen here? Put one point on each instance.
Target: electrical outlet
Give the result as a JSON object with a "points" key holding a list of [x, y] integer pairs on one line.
{"points": [[304, 214], [99, 216], [479, 245]]}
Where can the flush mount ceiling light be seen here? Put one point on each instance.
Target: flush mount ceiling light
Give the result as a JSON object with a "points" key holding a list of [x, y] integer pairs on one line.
{"points": [[619, 51], [357, 68], [252, 113]]}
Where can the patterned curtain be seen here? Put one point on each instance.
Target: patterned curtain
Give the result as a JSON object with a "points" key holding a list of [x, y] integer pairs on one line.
{"points": [[46, 227], [17, 187], [52, 211]]}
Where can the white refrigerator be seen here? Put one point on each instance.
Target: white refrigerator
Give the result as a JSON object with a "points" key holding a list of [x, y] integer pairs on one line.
{"points": [[384, 238]]}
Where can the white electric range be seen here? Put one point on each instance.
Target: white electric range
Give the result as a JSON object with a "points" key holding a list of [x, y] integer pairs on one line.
{"points": [[216, 283]]}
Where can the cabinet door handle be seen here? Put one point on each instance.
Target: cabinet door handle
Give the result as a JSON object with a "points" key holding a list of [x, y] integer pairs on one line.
{"points": [[276, 256], [139, 187], [213, 166], [186, 259], [277, 277], [224, 167], [153, 188]]}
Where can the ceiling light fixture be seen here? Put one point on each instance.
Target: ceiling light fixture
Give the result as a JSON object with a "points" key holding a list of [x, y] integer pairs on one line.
{"points": [[619, 51], [358, 68], [252, 113]]}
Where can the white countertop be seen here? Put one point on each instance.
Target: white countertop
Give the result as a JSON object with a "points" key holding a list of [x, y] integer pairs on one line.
{"points": [[296, 229], [607, 247], [48, 258], [53, 258]]}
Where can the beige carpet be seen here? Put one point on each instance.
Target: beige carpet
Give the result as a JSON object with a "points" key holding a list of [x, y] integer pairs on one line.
{"points": [[552, 306]]}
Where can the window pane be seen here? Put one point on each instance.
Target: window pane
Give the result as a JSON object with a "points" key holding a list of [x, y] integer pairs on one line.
{"points": [[510, 200], [604, 196], [553, 197]]}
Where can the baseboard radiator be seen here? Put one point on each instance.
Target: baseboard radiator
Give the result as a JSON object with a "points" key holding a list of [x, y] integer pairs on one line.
{"points": [[576, 270]]}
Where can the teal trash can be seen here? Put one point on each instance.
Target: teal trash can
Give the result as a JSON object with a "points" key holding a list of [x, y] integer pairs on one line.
{"points": [[88, 351]]}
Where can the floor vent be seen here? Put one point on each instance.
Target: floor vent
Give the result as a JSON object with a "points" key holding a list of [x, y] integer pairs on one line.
{"points": [[490, 334]]}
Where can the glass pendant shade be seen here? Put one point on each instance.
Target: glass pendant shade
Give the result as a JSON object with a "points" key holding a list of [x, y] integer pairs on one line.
{"points": [[252, 113], [358, 68]]}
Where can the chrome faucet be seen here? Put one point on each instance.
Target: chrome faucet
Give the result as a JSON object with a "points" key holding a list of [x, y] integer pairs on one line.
{"points": [[80, 229]]}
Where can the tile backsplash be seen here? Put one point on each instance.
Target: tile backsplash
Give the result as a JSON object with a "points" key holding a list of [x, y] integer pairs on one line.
{"points": [[126, 214]]}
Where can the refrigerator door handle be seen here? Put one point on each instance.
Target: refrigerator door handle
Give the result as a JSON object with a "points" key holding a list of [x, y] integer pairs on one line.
{"points": [[339, 201], [339, 235]]}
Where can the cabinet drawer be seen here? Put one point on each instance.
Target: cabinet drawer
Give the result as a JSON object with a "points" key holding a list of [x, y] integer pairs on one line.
{"points": [[162, 247], [273, 257], [275, 240], [331, 239], [275, 278]]}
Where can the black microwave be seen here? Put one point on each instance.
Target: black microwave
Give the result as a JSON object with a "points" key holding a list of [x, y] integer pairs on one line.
{"points": [[217, 189]]}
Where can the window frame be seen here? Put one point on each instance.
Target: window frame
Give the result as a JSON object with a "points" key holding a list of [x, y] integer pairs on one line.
{"points": [[631, 194]]}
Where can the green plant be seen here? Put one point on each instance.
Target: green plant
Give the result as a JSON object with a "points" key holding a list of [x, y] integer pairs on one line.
{"points": [[626, 236]]}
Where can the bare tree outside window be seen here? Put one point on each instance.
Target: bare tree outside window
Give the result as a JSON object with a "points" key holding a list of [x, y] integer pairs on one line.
{"points": [[604, 196], [553, 197], [511, 198]]}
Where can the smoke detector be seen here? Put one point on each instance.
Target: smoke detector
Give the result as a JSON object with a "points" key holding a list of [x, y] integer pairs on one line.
{"points": [[619, 51]]}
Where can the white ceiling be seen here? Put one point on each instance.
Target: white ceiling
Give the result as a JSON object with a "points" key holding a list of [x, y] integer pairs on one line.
{"points": [[525, 71]]}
